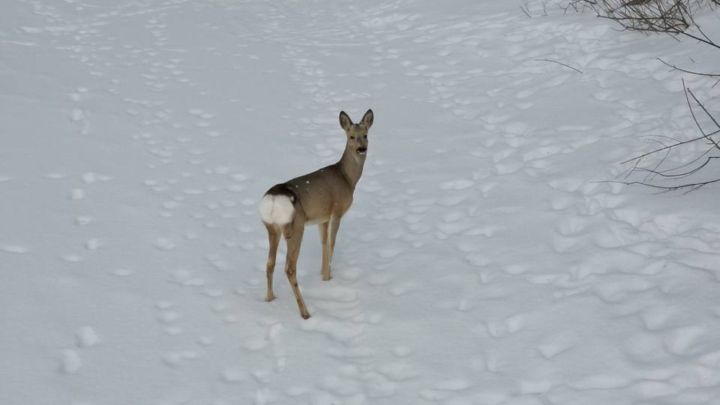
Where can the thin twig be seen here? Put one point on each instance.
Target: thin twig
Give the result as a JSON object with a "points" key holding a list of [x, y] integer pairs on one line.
{"points": [[675, 19], [559, 63], [692, 112], [706, 111], [690, 162], [525, 11], [688, 71], [670, 146], [679, 175], [692, 186]]}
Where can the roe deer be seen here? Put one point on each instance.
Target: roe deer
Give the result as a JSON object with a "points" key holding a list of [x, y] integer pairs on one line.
{"points": [[321, 197]]}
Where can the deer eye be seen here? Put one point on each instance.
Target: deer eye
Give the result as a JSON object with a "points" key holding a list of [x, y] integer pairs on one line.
{"points": [[352, 137]]}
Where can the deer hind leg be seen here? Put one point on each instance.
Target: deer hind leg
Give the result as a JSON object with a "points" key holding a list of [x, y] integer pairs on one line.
{"points": [[293, 237], [325, 270], [334, 225], [274, 239]]}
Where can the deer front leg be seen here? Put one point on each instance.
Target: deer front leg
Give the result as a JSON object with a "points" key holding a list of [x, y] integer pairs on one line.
{"points": [[274, 239], [293, 251], [334, 225], [325, 269]]}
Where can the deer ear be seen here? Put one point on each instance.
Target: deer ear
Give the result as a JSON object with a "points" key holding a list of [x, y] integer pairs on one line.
{"points": [[345, 121], [367, 119]]}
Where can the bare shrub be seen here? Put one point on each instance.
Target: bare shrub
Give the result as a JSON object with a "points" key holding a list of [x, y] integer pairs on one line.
{"points": [[682, 176], [674, 18]]}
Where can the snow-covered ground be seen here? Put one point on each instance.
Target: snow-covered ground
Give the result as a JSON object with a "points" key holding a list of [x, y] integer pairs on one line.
{"points": [[484, 260]]}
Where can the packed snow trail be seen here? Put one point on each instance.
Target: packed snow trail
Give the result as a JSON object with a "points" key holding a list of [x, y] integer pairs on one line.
{"points": [[484, 260]]}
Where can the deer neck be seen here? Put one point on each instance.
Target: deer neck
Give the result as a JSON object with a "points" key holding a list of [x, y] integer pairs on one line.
{"points": [[351, 165]]}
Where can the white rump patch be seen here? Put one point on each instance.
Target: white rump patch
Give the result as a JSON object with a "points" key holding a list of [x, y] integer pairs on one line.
{"points": [[276, 209]]}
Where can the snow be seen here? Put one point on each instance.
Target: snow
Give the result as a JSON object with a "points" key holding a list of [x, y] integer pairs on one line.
{"points": [[484, 260]]}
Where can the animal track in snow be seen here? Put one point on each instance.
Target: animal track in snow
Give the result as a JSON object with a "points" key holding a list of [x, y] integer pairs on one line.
{"points": [[72, 258], [179, 357], [70, 362], [556, 344], [660, 317], [87, 337], [445, 389], [601, 381], [16, 249], [187, 278], [78, 194], [164, 244], [92, 244], [341, 332], [398, 371], [122, 272], [506, 327], [685, 340], [234, 374]]}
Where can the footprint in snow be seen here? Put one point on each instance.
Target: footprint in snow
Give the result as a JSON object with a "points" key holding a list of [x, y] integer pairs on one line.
{"points": [[187, 278], [179, 357], [561, 203], [398, 371], [122, 272], [378, 279], [569, 185], [562, 244], [84, 220], [506, 327], [87, 337], [77, 115], [92, 244], [507, 167], [542, 153], [339, 331], [72, 258], [15, 249], [77, 194], [460, 184], [686, 340], [234, 374], [335, 293], [70, 362], [557, 344], [168, 317], [660, 317], [404, 288], [164, 244], [601, 382], [49, 176], [91, 177], [445, 389]]}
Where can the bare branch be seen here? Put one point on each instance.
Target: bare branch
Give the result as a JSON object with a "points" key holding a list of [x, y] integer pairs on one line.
{"points": [[690, 186], [669, 147], [688, 71], [675, 19], [692, 112], [559, 63], [524, 8], [679, 175], [705, 110]]}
